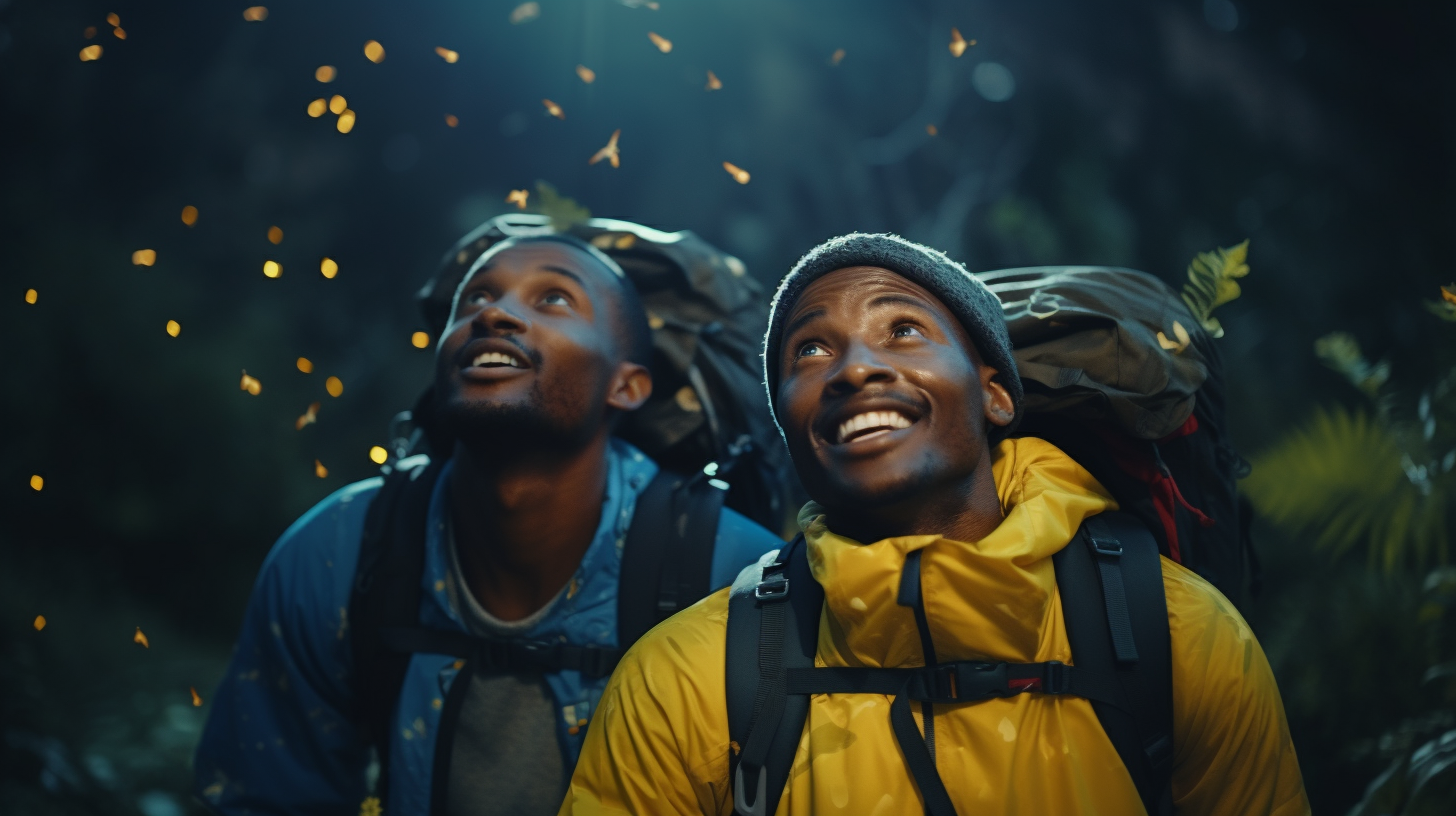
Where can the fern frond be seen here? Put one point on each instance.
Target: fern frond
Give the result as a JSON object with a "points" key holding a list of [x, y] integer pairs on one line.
{"points": [[563, 212], [1340, 479], [1212, 283], [1341, 352]]}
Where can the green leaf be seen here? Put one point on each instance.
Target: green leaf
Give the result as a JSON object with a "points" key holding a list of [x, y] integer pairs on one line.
{"points": [[1212, 282], [1341, 352], [563, 212]]}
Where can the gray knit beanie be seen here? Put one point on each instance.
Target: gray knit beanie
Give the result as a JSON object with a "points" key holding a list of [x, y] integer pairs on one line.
{"points": [[975, 305]]}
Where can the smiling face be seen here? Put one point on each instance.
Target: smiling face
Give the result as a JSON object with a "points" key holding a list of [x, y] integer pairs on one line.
{"points": [[881, 394], [533, 354]]}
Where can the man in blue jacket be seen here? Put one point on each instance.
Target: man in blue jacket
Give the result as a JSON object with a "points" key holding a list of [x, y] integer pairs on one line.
{"points": [[547, 346]]}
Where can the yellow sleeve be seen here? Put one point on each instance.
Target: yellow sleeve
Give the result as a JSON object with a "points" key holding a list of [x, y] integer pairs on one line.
{"points": [[1232, 752], [658, 743]]}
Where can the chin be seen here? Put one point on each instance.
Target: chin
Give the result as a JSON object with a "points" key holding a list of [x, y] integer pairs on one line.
{"points": [[875, 487]]}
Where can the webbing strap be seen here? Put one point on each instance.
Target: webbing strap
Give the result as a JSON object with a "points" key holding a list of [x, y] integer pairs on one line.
{"points": [[1107, 551], [962, 682], [500, 655], [768, 705]]}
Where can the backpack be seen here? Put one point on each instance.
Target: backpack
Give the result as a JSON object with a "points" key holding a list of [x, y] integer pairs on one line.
{"points": [[1144, 415], [706, 425]]}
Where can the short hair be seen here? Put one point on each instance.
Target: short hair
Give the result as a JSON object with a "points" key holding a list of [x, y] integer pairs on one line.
{"points": [[630, 316]]}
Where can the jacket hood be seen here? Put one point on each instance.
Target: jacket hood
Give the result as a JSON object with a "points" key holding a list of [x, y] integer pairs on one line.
{"points": [[991, 599]]}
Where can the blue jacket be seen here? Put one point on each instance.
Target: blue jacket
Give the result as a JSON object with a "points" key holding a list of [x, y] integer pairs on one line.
{"points": [[279, 740]]}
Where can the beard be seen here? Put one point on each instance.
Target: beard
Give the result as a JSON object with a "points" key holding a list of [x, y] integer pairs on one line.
{"points": [[538, 424]]}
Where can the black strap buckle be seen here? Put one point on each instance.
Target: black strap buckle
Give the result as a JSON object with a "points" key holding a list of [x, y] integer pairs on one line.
{"points": [[772, 588], [1110, 547], [1056, 679], [976, 680]]}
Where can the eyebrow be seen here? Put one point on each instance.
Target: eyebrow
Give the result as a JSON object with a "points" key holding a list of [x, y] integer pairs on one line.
{"points": [[798, 322], [904, 300], [560, 270]]}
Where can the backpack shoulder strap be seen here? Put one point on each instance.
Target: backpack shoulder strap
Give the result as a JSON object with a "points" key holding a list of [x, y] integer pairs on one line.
{"points": [[1111, 584], [773, 626], [667, 559], [386, 594]]}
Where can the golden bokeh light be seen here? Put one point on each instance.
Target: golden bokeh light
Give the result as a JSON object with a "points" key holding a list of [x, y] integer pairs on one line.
{"points": [[250, 384], [446, 54], [91, 53], [957, 43], [328, 268], [275, 235], [144, 257], [378, 455], [420, 340], [174, 328], [196, 698], [525, 12], [338, 104], [587, 75], [325, 73], [518, 198], [89, 32], [141, 639], [317, 107], [39, 622], [31, 296], [319, 470], [272, 269], [553, 109], [189, 215], [113, 20], [738, 173], [932, 129], [37, 482], [346, 121], [334, 386], [309, 417], [837, 57], [119, 33], [714, 83], [255, 14], [373, 51], [450, 120], [663, 44], [305, 365]]}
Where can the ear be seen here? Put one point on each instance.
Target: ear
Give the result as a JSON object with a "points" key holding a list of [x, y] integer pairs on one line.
{"points": [[999, 407], [631, 386]]}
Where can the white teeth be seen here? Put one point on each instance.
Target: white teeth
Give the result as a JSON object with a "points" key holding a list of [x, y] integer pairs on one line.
{"points": [[881, 420], [496, 358]]}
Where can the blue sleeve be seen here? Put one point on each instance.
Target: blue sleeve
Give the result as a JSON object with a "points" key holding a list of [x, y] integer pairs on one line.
{"points": [[278, 738], [739, 543]]}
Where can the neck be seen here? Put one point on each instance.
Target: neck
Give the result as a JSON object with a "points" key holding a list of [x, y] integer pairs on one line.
{"points": [[523, 521], [963, 510]]}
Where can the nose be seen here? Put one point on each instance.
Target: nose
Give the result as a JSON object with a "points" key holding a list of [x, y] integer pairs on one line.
{"points": [[859, 366], [499, 318]]}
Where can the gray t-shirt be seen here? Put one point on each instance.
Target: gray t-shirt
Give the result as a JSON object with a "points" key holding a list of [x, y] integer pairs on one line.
{"points": [[506, 760]]}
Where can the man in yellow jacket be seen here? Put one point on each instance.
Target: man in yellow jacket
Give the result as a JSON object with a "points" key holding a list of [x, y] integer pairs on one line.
{"points": [[889, 370]]}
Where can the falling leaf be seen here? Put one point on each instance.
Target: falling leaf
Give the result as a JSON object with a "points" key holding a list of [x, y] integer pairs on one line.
{"points": [[687, 399], [31, 296], [378, 455], [714, 83], [189, 215], [250, 384], [309, 417], [609, 152], [525, 13], [90, 53], [562, 210], [837, 56], [446, 54], [1448, 293], [338, 104], [957, 43], [196, 698], [317, 108], [1212, 282], [328, 267], [89, 32], [144, 257], [346, 121], [275, 235], [738, 173], [113, 20], [39, 622], [553, 109], [272, 269], [932, 129], [518, 198], [1176, 346], [255, 14], [373, 51], [663, 44], [587, 75], [37, 482], [325, 73], [450, 120], [334, 386], [141, 638], [119, 33], [370, 806], [420, 340], [319, 470], [174, 328]]}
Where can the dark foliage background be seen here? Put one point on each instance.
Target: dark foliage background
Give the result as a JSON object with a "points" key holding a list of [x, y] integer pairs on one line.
{"points": [[1132, 132]]}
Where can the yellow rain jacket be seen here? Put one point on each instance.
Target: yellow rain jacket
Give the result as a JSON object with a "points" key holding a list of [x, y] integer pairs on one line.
{"points": [[659, 742]]}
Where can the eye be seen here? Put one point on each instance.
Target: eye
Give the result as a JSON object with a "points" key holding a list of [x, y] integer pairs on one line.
{"points": [[555, 299], [477, 298], [811, 350], [905, 330]]}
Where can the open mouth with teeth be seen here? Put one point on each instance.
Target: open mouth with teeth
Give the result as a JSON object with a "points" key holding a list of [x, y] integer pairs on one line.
{"points": [[495, 359], [869, 425]]}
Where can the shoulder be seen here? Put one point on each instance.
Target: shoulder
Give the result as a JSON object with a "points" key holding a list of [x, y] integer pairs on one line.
{"points": [[321, 548], [740, 542], [1198, 610]]}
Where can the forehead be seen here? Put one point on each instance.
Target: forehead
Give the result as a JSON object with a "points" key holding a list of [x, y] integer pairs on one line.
{"points": [[863, 287], [545, 256]]}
